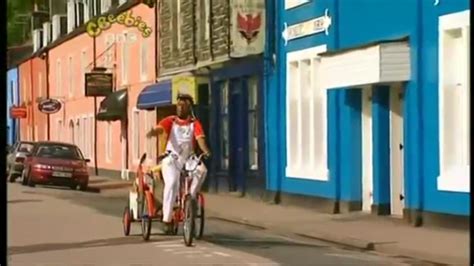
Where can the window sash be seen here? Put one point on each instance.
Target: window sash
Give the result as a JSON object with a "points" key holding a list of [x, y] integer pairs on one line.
{"points": [[144, 60]]}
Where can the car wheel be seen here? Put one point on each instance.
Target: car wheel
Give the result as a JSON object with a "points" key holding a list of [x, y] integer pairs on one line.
{"points": [[83, 187], [30, 181], [12, 178]]}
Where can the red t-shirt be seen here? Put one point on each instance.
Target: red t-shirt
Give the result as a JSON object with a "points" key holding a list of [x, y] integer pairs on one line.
{"points": [[167, 122]]}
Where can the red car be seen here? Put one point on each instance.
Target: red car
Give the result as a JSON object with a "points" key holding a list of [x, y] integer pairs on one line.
{"points": [[56, 163]]}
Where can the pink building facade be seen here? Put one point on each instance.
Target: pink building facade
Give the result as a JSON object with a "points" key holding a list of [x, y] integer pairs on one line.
{"points": [[130, 57]]}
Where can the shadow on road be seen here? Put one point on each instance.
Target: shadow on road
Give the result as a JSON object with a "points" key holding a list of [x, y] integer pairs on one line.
{"points": [[118, 241], [23, 201]]}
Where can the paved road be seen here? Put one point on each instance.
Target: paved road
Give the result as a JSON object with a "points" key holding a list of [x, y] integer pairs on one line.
{"points": [[53, 226]]}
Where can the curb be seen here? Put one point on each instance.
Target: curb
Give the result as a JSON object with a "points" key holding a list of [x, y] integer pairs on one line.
{"points": [[348, 242], [341, 241]]}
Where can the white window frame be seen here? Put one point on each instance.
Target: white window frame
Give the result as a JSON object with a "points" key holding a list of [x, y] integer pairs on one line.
{"points": [[136, 135], [109, 56], [108, 142], [304, 166], [70, 76], [143, 60], [58, 78], [125, 58], [454, 177], [85, 129], [289, 4]]}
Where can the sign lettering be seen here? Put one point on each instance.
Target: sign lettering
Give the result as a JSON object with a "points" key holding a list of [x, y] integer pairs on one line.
{"points": [[95, 27]]}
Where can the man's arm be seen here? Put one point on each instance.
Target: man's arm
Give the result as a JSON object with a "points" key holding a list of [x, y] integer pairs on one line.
{"points": [[200, 138]]}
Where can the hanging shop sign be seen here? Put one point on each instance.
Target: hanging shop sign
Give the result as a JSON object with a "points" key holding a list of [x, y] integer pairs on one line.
{"points": [[96, 26], [184, 85], [98, 84], [18, 112], [307, 28], [248, 27], [49, 106]]}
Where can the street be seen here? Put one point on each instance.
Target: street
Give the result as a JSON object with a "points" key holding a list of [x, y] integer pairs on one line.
{"points": [[58, 226]]}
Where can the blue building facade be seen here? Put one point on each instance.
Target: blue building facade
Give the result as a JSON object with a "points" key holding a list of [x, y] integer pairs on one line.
{"points": [[12, 99], [360, 105]]}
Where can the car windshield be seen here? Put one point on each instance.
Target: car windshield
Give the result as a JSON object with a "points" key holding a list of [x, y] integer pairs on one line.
{"points": [[25, 147], [59, 152]]}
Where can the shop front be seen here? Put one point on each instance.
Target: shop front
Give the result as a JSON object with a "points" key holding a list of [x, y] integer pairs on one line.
{"points": [[237, 127]]}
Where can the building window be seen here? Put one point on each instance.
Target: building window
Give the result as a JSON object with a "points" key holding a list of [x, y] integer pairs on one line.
{"points": [[108, 142], [83, 71], [150, 143], [204, 14], [109, 53], [25, 90], [85, 131], [454, 102], [294, 3], [70, 77], [59, 130], [143, 60], [58, 78], [40, 85], [224, 118], [92, 136], [125, 60], [253, 122], [179, 24], [306, 129], [136, 134]]}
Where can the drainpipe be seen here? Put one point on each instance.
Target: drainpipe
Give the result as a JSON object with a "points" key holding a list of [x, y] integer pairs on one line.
{"points": [[95, 110], [47, 94], [32, 101], [418, 218], [157, 42]]}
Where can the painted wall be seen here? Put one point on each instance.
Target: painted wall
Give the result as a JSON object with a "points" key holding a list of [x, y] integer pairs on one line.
{"points": [[39, 91], [77, 107], [12, 99], [355, 23], [26, 99]]}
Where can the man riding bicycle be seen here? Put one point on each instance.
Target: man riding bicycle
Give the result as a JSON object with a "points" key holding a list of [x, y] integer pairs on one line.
{"points": [[178, 135]]}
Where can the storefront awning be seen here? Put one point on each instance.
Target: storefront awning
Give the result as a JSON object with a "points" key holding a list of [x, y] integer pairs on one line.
{"points": [[113, 107], [155, 95], [382, 62]]}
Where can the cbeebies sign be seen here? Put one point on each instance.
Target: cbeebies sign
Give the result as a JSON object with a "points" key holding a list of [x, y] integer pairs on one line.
{"points": [[95, 27]]}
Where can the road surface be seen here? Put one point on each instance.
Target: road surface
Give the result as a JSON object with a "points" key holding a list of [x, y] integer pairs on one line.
{"points": [[55, 226]]}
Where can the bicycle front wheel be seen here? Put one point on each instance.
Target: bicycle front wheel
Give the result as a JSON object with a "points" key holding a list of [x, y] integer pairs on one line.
{"points": [[188, 223]]}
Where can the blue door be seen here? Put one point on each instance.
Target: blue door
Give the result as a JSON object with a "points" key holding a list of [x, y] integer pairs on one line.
{"points": [[237, 130]]}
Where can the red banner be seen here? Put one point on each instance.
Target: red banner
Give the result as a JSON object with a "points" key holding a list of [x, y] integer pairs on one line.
{"points": [[17, 112]]}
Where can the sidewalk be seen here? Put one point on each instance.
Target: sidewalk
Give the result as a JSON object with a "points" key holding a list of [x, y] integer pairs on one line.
{"points": [[356, 230]]}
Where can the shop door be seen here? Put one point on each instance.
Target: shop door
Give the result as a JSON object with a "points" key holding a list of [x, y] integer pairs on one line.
{"points": [[237, 128]]}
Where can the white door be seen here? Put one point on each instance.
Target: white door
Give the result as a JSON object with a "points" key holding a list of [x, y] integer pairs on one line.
{"points": [[397, 194], [123, 142], [367, 178]]}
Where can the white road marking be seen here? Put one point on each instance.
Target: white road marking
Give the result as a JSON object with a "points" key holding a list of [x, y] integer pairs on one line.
{"points": [[169, 246], [221, 254], [188, 252]]}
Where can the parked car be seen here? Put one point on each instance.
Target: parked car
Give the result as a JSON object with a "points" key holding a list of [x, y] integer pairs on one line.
{"points": [[56, 163], [16, 157]]}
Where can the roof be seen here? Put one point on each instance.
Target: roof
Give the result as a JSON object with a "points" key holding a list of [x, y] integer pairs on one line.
{"points": [[80, 30], [54, 143]]}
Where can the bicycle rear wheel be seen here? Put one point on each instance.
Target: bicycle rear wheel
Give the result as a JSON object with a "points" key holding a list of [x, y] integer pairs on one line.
{"points": [[146, 222], [188, 223]]}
